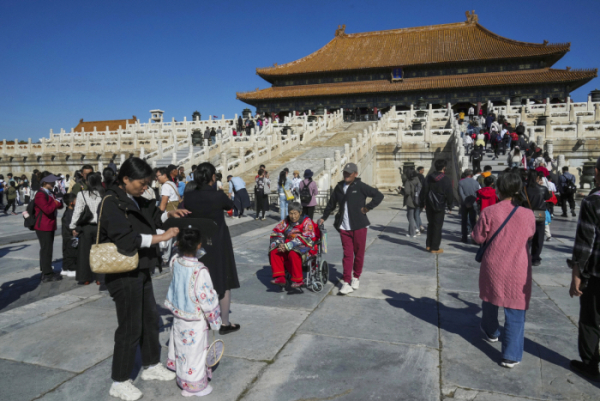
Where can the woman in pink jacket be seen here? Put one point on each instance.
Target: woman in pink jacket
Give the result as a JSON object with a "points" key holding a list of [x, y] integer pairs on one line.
{"points": [[505, 275]]}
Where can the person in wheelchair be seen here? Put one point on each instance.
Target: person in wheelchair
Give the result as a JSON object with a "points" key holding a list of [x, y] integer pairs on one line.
{"points": [[291, 240]]}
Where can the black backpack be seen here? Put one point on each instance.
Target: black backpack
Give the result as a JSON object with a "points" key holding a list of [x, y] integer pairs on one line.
{"points": [[477, 155], [31, 220], [437, 201], [305, 196], [570, 187]]}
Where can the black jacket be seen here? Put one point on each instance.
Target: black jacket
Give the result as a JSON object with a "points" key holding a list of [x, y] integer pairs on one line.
{"points": [[67, 216], [439, 183], [520, 130], [122, 222], [355, 199], [208, 203], [538, 195]]}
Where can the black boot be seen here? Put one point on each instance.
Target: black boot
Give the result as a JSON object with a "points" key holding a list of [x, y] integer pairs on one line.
{"points": [[588, 371], [573, 213]]}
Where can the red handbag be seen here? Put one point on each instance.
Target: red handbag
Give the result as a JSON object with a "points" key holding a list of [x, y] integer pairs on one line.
{"points": [[553, 199]]}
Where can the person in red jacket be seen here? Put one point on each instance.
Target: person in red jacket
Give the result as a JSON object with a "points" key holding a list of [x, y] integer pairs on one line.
{"points": [[486, 196], [45, 207]]}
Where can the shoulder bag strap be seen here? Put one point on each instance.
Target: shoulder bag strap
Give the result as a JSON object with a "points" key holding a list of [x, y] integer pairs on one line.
{"points": [[487, 243], [528, 198], [99, 216], [176, 190]]}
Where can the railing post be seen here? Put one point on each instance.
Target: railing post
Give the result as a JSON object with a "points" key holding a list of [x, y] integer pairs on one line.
{"points": [[242, 157], [224, 164], [327, 167], [160, 150]]}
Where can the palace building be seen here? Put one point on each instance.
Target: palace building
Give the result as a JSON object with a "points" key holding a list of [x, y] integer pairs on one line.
{"points": [[456, 63]]}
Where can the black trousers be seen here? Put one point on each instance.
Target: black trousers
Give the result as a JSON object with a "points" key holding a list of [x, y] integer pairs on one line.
{"points": [[476, 165], [87, 237], [138, 321], [262, 204], [538, 242], [567, 198], [9, 203], [70, 255], [46, 239], [309, 211], [589, 323], [434, 228], [468, 218]]}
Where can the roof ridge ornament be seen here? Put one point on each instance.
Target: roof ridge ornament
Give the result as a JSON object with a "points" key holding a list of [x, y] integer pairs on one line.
{"points": [[545, 42], [341, 31], [471, 17]]}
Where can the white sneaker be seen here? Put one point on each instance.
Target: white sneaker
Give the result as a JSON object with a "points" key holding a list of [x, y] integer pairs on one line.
{"points": [[346, 289], [354, 283], [125, 391], [158, 372], [202, 393], [72, 273], [417, 232], [64, 272]]}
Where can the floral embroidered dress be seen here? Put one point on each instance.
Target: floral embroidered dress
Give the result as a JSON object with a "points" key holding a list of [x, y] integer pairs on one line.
{"points": [[299, 237], [195, 304]]}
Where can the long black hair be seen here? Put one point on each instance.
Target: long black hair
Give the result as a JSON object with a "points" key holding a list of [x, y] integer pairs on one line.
{"points": [[94, 182], [282, 178], [190, 186], [204, 174], [134, 168]]}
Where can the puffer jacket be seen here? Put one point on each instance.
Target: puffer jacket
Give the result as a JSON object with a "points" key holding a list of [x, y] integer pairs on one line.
{"points": [[409, 192], [486, 196]]}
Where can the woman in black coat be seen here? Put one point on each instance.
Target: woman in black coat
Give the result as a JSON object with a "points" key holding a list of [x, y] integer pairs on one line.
{"points": [[130, 222], [208, 203]]}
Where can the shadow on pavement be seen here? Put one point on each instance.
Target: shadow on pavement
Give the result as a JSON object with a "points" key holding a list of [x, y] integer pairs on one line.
{"points": [[9, 249], [414, 307], [402, 242], [12, 291], [264, 275]]}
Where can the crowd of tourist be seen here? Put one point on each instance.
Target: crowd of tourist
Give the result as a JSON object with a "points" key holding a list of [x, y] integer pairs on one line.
{"points": [[156, 214]]}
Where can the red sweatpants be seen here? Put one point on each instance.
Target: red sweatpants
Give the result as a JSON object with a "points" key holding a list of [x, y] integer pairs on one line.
{"points": [[353, 243], [290, 261]]}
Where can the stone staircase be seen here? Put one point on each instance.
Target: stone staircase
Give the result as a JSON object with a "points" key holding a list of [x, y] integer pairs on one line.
{"points": [[311, 155], [181, 153]]}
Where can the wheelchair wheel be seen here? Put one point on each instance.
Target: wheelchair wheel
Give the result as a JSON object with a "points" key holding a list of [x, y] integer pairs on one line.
{"points": [[324, 272], [317, 286]]}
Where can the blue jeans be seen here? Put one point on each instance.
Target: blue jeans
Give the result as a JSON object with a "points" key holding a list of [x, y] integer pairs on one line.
{"points": [[514, 329], [283, 206], [213, 139], [418, 218]]}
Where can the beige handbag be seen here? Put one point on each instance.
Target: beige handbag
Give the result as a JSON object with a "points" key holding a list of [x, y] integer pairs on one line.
{"points": [[106, 259], [173, 205]]}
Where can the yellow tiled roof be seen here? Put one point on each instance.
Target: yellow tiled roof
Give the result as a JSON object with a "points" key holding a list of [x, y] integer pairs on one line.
{"points": [[88, 126], [426, 83], [458, 42]]}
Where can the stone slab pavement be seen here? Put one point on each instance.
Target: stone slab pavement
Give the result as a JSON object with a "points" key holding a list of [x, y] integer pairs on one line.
{"points": [[409, 333]]}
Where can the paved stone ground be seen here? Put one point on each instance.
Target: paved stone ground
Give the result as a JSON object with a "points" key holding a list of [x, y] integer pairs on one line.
{"points": [[410, 332]]}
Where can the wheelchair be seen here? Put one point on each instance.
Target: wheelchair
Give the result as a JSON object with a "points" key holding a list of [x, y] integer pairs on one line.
{"points": [[314, 268]]}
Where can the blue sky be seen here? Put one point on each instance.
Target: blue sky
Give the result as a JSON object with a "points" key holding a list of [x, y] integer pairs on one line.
{"points": [[61, 61]]}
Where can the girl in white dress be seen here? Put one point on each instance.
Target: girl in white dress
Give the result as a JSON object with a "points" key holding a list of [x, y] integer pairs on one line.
{"points": [[195, 306]]}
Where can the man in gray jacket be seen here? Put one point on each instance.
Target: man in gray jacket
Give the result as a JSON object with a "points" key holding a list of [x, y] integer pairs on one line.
{"points": [[467, 190]]}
